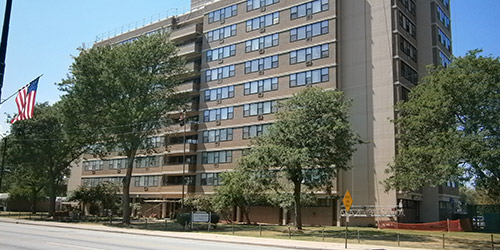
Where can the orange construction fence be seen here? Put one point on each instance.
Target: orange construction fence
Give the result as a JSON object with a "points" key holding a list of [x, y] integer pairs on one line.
{"points": [[451, 225]]}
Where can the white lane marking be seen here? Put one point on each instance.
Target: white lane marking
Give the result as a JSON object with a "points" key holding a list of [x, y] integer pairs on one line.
{"points": [[73, 246]]}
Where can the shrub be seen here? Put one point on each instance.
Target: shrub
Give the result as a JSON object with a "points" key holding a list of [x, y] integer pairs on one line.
{"points": [[182, 219]]}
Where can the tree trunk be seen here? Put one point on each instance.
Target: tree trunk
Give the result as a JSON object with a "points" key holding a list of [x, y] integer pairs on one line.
{"points": [[34, 194], [52, 197], [246, 213], [298, 207], [126, 189]]}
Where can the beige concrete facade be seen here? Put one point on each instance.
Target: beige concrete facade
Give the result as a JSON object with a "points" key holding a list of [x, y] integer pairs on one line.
{"points": [[369, 50]]}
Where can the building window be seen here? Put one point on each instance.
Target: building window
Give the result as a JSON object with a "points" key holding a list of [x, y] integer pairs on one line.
{"points": [[444, 40], [443, 17], [221, 53], [218, 135], [408, 73], [409, 6], [219, 93], [309, 77], [308, 31], [254, 131], [444, 60], [225, 156], [92, 182], [177, 160], [407, 25], [219, 73], [260, 108], [309, 54], [117, 163], [221, 33], [218, 114], [263, 21], [308, 9], [407, 48], [222, 14], [146, 181], [255, 4], [262, 42], [211, 179], [261, 64], [446, 3], [260, 86], [147, 162], [177, 180], [93, 165]]}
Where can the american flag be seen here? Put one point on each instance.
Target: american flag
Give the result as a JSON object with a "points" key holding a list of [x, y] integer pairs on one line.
{"points": [[25, 101]]}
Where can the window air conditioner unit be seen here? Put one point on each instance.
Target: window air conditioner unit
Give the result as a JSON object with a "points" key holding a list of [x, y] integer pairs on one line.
{"points": [[263, 8], [261, 72], [309, 63], [260, 117], [221, 61], [262, 30], [217, 122], [221, 41], [261, 94], [262, 51], [146, 188]]}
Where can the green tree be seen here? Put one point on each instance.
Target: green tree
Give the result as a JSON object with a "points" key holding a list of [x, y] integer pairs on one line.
{"points": [[305, 147], [449, 129], [239, 189], [121, 94], [40, 150], [104, 195]]}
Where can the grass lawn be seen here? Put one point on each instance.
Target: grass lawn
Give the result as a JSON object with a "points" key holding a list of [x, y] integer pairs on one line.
{"points": [[367, 236]]}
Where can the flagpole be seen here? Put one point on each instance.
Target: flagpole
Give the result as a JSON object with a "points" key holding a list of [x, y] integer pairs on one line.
{"points": [[15, 93], [3, 44]]}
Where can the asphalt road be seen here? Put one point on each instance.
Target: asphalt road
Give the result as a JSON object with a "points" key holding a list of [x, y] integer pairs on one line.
{"points": [[20, 236]]}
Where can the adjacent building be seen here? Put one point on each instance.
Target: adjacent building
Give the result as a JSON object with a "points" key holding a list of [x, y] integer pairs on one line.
{"points": [[246, 56]]}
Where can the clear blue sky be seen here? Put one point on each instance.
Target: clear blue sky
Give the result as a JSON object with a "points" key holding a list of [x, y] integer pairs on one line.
{"points": [[45, 34]]}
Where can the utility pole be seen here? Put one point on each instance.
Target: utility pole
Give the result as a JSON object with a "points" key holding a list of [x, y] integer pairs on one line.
{"points": [[3, 44], [183, 115], [3, 161]]}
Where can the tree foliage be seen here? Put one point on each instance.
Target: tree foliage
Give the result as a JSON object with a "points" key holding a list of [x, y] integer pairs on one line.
{"points": [[239, 189], [104, 195], [40, 153], [120, 95], [449, 129], [305, 147]]}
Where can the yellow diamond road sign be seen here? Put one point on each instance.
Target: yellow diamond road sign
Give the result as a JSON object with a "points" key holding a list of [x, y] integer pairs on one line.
{"points": [[347, 201]]}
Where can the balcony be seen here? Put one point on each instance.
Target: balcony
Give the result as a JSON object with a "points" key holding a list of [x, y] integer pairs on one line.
{"points": [[189, 86], [190, 50], [179, 148], [193, 68], [176, 128], [186, 33], [176, 168], [176, 188]]}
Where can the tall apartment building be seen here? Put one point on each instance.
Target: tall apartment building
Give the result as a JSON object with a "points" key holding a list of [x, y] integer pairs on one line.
{"points": [[245, 56]]}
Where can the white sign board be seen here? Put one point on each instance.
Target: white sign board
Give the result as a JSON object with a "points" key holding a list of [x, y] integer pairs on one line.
{"points": [[200, 217]]}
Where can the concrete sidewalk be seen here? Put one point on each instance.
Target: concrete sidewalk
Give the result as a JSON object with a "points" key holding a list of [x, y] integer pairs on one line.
{"points": [[290, 244]]}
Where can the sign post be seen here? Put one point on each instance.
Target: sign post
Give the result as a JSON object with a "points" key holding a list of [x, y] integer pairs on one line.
{"points": [[347, 203]]}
